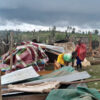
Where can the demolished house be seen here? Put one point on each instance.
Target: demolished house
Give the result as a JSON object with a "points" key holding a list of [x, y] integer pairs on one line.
{"points": [[28, 54], [24, 81]]}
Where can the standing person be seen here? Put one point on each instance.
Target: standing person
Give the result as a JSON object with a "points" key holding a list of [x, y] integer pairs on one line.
{"points": [[64, 59], [81, 54]]}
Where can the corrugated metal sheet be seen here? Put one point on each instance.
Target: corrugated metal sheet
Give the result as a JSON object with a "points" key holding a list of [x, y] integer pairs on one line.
{"points": [[19, 75], [66, 78], [54, 48]]}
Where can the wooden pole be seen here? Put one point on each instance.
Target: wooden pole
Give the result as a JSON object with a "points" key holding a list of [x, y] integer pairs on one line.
{"points": [[90, 42], [11, 49], [0, 87], [99, 46], [75, 82], [82, 81]]}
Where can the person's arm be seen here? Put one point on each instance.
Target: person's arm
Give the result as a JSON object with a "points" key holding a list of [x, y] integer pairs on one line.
{"points": [[56, 65], [72, 63]]}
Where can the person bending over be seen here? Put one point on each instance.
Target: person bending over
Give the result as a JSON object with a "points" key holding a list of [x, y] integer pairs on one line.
{"points": [[64, 59]]}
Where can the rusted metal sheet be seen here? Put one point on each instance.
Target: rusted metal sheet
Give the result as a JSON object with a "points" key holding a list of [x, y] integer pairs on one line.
{"points": [[26, 97]]}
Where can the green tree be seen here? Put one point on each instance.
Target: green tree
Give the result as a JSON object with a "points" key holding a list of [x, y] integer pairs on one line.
{"points": [[73, 30], [96, 32], [83, 32], [69, 29]]}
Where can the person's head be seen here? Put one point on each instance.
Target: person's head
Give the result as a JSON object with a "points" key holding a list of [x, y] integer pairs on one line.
{"points": [[79, 42], [67, 57], [74, 54], [34, 40]]}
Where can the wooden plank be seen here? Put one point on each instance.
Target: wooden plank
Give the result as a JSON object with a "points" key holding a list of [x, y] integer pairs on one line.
{"points": [[82, 81], [27, 97]]}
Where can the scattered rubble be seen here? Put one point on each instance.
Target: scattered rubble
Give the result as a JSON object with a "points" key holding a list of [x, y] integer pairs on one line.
{"points": [[27, 80]]}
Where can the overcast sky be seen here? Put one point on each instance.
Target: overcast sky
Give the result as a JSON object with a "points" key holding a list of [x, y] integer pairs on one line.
{"points": [[81, 13]]}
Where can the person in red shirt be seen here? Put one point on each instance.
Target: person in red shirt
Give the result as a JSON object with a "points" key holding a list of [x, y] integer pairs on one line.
{"points": [[81, 54]]}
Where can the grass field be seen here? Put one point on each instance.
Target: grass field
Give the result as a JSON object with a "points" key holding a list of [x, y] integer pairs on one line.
{"points": [[94, 71]]}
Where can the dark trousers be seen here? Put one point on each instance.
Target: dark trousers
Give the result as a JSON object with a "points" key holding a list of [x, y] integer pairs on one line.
{"points": [[79, 64]]}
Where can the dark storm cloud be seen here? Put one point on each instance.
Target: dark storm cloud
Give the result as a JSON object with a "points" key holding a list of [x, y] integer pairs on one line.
{"points": [[50, 12]]}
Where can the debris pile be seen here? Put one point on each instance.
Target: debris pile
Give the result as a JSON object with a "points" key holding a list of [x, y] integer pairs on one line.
{"points": [[28, 54], [34, 84], [29, 80]]}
